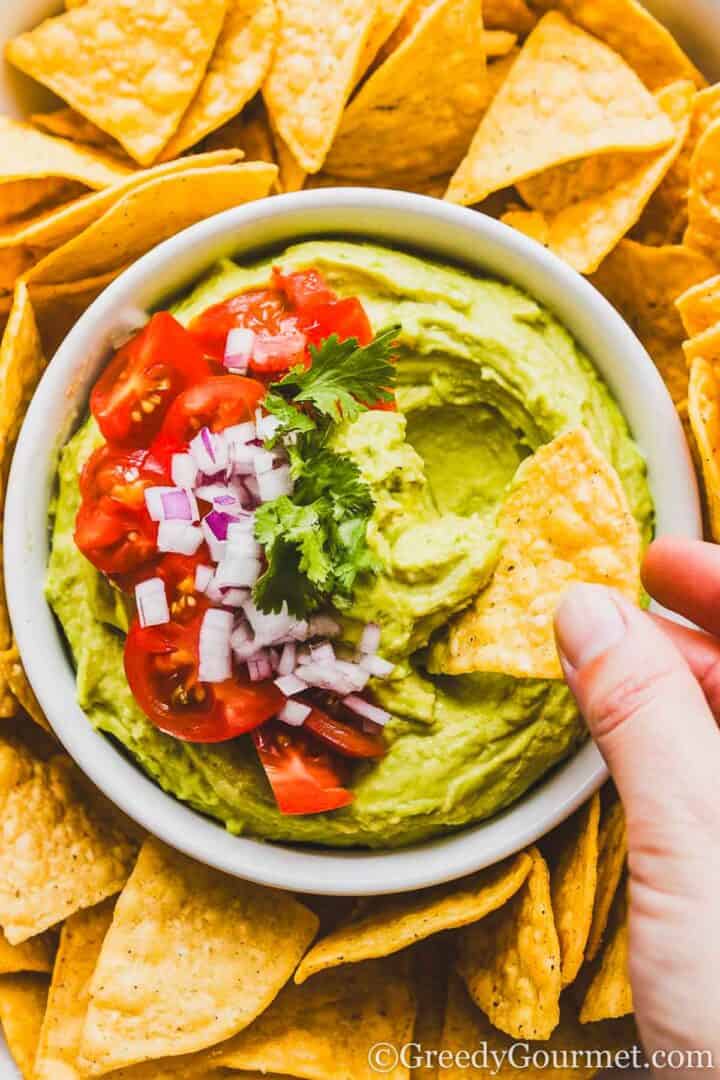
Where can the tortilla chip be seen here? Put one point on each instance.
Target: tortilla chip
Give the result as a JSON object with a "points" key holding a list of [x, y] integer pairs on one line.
{"points": [[610, 995], [135, 67], [612, 852], [53, 228], [438, 71], [324, 1030], [572, 854], [467, 1028], [510, 961], [389, 15], [22, 1006], [318, 51], [291, 175], [512, 15], [626, 26], [567, 96], [699, 306], [80, 943], [60, 850], [704, 413], [249, 132], [565, 520], [531, 222], [68, 124], [228, 947], [25, 200], [58, 307], [431, 962], [703, 231], [238, 67], [12, 675], [498, 43], [35, 954], [602, 197], [643, 283], [27, 154], [391, 923], [132, 225]]}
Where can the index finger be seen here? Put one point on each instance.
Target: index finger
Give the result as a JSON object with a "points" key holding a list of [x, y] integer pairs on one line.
{"points": [[684, 575]]}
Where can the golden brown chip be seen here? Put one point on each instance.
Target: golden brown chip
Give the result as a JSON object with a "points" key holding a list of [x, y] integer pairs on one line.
{"points": [[60, 850], [431, 964], [531, 222], [612, 852], [80, 943], [389, 14], [594, 202], [136, 67], [291, 175], [609, 995], [391, 923], [324, 1029], [572, 854], [703, 231], [238, 67], [228, 946], [467, 1029], [565, 520], [12, 676], [498, 43], [35, 954], [22, 1006], [58, 307], [68, 124], [132, 225], [510, 961], [318, 52], [512, 15], [25, 200], [704, 413], [567, 96], [249, 132], [643, 283], [627, 27], [437, 72], [699, 306]]}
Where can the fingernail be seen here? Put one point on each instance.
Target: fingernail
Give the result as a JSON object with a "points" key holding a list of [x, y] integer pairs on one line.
{"points": [[587, 624]]}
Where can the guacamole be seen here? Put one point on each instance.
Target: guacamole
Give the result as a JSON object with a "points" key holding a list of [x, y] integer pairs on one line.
{"points": [[485, 376]]}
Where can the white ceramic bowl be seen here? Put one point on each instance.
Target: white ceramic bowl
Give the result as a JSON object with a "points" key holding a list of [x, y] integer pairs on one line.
{"points": [[444, 232]]}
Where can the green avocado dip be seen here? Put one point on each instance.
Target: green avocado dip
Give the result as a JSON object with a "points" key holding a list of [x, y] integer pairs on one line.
{"points": [[485, 376]]}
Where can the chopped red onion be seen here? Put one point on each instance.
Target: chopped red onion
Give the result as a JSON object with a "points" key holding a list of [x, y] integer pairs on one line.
{"points": [[203, 577], [326, 677], [151, 600], [274, 655], [241, 541], [268, 627], [323, 653], [237, 573], [286, 663], [215, 664], [259, 667], [183, 470], [354, 672], [234, 598], [272, 485], [179, 537], [263, 461], [153, 501], [363, 708], [209, 451], [274, 346], [217, 547], [375, 665], [300, 631], [323, 626], [239, 349], [294, 713], [238, 434], [266, 425], [254, 491], [179, 505], [290, 685], [370, 640], [218, 522]]}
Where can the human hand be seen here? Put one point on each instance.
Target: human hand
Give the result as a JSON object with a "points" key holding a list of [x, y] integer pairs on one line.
{"points": [[650, 692]]}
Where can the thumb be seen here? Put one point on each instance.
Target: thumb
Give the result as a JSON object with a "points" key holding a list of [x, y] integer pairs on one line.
{"points": [[646, 712]]}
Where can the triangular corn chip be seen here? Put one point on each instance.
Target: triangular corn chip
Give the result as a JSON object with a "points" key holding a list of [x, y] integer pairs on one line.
{"points": [[703, 231], [568, 96], [612, 853], [241, 61], [317, 56], [704, 414], [572, 853], [389, 924], [28, 154], [228, 947], [510, 961], [35, 954], [132, 69], [512, 15], [609, 995], [22, 1006], [699, 306], [439, 71], [132, 226], [388, 16], [60, 849], [565, 520], [68, 124]]}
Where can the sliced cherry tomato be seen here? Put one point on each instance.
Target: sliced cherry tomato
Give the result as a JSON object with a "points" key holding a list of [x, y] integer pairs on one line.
{"points": [[347, 740], [304, 779], [161, 664], [304, 288], [113, 528], [131, 397], [215, 403], [261, 310], [345, 318]]}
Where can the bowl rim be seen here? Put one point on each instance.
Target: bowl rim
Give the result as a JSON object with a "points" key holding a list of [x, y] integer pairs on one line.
{"points": [[432, 227]]}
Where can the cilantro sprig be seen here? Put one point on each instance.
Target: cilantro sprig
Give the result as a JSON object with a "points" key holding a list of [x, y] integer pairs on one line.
{"points": [[315, 539]]}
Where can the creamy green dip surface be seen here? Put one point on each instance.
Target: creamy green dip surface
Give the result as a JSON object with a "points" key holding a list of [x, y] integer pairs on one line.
{"points": [[485, 376]]}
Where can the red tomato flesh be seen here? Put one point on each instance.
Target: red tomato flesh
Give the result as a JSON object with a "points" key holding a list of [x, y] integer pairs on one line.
{"points": [[303, 778]]}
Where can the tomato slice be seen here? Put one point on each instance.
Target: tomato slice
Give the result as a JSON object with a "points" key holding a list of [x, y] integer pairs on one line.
{"points": [[345, 318], [113, 528], [261, 310], [216, 403], [131, 397], [304, 288], [161, 664], [303, 778], [347, 740]]}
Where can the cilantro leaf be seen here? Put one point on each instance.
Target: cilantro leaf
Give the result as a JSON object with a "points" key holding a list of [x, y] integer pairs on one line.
{"points": [[343, 375], [290, 417]]}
